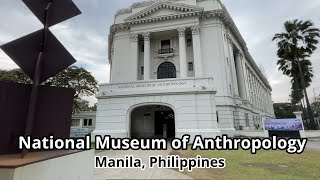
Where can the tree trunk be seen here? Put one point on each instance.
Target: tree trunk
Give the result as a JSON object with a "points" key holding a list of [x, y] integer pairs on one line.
{"points": [[310, 113]]}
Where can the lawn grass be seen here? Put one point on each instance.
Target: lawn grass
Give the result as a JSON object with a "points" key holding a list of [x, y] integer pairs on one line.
{"points": [[264, 165]]}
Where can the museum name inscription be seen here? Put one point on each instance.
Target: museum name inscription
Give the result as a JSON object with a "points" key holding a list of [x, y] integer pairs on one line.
{"points": [[164, 84]]}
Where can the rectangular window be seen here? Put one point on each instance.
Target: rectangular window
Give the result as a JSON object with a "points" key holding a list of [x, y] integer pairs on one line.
{"points": [[189, 42], [75, 122], [142, 70], [217, 116], [87, 122], [247, 119], [165, 44], [190, 66], [236, 121]]}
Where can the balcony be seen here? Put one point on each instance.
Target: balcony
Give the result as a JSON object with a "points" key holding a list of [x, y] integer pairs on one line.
{"points": [[165, 51], [157, 87]]}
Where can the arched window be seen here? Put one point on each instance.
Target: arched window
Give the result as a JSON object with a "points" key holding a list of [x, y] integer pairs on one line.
{"points": [[167, 70]]}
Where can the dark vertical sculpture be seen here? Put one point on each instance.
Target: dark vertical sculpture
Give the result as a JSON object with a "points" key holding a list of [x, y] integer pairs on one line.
{"points": [[36, 110]]}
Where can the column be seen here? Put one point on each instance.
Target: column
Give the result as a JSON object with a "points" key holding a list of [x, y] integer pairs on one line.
{"points": [[135, 54], [146, 56], [197, 51], [240, 76], [183, 53], [246, 79], [233, 68]]}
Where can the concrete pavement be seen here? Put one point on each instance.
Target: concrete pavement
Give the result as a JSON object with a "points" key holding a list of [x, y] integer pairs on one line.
{"points": [[313, 144]]}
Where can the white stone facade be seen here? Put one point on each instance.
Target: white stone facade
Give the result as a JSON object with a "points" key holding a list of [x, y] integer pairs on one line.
{"points": [[84, 119], [187, 55]]}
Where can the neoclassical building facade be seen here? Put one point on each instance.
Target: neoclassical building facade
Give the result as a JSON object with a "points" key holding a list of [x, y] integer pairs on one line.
{"points": [[180, 67]]}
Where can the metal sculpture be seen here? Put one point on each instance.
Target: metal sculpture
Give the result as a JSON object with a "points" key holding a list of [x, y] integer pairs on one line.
{"points": [[36, 110]]}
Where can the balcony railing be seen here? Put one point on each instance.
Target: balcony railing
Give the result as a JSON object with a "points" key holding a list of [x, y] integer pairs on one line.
{"points": [[166, 51]]}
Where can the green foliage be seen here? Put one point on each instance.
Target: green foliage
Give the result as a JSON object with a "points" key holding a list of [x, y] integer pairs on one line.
{"points": [[296, 95], [74, 77], [14, 75], [297, 43], [77, 78], [82, 105], [316, 107], [284, 110]]}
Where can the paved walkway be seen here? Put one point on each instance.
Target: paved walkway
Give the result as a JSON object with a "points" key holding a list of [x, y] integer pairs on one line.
{"points": [[148, 173], [313, 144]]}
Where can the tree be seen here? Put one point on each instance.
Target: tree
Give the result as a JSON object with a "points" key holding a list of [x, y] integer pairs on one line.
{"points": [[82, 105], [316, 106], [74, 77], [297, 42], [290, 68], [284, 110], [14, 75], [94, 107]]}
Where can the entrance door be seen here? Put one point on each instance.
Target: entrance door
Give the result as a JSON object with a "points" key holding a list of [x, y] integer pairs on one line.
{"points": [[152, 121], [164, 123]]}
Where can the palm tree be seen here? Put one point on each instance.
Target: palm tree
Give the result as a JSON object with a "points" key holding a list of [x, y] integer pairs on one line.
{"points": [[298, 41], [290, 68]]}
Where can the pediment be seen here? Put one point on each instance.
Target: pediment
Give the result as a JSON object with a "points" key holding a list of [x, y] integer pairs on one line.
{"points": [[164, 9]]}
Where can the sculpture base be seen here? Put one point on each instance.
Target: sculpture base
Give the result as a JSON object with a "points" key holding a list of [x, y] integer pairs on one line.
{"points": [[49, 165]]}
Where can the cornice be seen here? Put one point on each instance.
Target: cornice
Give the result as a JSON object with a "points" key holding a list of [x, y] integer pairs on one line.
{"points": [[146, 3], [164, 18], [182, 10]]}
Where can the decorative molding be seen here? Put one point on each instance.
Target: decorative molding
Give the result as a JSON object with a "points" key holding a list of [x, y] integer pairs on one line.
{"points": [[146, 36], [182, 10], [134, 37], [229, 40], [145, 3], [182, 31], [195, 30], [240, 54], [155, 6]]}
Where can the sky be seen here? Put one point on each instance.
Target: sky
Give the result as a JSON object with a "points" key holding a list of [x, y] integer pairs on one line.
{"points": [[86, 36]]}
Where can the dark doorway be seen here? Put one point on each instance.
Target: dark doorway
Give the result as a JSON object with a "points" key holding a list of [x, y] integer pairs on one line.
{"points": [[164, 124], [167, 70], [153, 121]]}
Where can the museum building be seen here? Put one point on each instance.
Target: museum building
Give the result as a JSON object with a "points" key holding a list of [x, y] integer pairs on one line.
{"points": [[180, 67]]}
